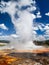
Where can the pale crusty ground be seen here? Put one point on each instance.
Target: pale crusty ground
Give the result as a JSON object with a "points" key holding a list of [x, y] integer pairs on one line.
{"points": [[7, 51]]}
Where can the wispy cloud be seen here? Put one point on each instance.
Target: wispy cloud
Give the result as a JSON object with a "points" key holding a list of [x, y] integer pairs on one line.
{"points": [[38, 15], [42, 27], [47, 14], [2, 26], [47, 31], [40, 38]]}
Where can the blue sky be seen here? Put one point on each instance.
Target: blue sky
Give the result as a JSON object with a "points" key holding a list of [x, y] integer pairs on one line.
{"points": [[44, 8], [42, 22], [5, 18]]}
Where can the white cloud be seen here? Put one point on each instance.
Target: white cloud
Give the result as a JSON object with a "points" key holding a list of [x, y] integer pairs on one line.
{"points": [[46, 36], [47, 14], [25, 2], [4, 37], [41, 26], [46, 27], [46, 31], [34, 33], [38, 15], [2, 26], [40, 38], [32, 8], [35, 28], [38, 26], [14, 35], [8, 37]]}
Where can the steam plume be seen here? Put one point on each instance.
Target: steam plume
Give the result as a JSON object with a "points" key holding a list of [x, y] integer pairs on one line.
{"points": [[23, 24]]}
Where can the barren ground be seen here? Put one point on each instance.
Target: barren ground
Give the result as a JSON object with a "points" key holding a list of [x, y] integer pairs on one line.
{"points": [[24, 57]]}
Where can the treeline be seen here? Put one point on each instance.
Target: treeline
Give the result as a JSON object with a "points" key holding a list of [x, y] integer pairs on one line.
{"points": [[46, 42], [4, 41]]}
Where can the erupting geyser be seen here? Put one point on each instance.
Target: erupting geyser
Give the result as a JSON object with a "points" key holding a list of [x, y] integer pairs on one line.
{"points": [[23, 23]]}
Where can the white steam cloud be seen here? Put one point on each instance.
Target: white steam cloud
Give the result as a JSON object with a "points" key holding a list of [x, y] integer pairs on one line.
{"points": [[23, 24]]}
